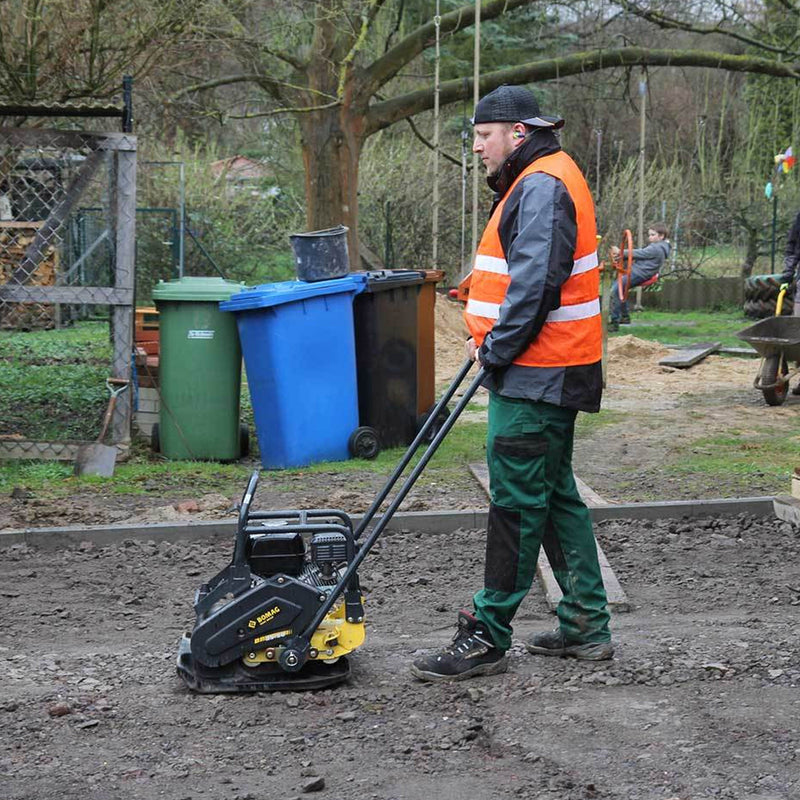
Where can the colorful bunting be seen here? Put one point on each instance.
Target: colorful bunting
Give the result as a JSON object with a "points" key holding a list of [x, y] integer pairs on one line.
{"points": [[785, 161]]}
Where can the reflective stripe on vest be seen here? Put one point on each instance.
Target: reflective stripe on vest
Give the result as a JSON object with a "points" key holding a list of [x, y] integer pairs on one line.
{"points": [[571, 334], [500, 265], [480, 308]]}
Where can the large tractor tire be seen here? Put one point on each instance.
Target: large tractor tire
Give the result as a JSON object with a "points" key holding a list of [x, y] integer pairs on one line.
{"points": [[761, 294]]}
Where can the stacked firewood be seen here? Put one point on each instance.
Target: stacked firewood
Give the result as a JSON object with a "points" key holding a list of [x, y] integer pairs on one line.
{"points": [[15, 237]]}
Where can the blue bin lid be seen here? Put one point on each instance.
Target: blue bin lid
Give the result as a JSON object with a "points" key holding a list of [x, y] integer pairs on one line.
{"points": [[273, 294]]}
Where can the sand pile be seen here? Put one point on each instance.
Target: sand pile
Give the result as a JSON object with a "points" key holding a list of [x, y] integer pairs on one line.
{"points": [[450, 334], [629, 348]]}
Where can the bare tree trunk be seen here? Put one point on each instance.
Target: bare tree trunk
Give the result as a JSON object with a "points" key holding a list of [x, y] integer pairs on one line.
{"points": [[331, 149], [751, 251], [332, 133]]}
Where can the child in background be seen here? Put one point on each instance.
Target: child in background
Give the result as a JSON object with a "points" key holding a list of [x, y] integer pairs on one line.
{"points": [[647, 262]]}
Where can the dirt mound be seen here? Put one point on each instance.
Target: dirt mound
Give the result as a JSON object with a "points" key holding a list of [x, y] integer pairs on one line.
{"points": [[450, 334], [629, 348]]}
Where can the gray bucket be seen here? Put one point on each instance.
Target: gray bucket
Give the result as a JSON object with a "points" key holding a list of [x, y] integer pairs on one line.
{"points": [[321, 255]]}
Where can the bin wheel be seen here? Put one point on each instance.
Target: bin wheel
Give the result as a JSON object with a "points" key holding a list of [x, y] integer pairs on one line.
{"points": [[155, 439], [775, 367], [364, 443], [244, 440], [440, 420]]}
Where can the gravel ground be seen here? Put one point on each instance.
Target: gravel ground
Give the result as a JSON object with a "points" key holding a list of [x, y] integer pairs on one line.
{"points": [[700, 701]]}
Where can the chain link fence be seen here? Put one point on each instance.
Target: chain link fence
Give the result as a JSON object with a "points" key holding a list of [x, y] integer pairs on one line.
{"points": [[67, 250]]}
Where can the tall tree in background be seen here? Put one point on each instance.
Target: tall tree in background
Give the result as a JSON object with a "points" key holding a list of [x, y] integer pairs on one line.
{"points": [[338, 66], [62, 51], [332, 65]]}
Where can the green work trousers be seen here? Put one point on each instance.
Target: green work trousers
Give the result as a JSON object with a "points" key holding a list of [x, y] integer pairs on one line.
{"points": [[535, 502]]}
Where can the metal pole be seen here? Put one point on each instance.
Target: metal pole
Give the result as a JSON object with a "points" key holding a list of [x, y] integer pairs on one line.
{"points": [[675, 234], [599, 133], [181, 218], [476, 74], [127, 103], [435, 223], [464, 151], [642, 124]]}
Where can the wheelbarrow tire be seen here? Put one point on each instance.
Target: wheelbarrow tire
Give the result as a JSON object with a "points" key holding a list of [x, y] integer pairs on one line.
{"points": [[775, 395]]}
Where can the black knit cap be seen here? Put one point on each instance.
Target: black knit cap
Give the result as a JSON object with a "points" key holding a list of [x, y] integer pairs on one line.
{"points": [[513, 104]]}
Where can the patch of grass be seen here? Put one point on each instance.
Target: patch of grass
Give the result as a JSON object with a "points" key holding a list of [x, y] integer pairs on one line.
{"points": [[759, 453], [465, 444], [80, 343], [586, 424], [687, 327], [145, 475], [51, 402], [53, 382], [36, 475]]}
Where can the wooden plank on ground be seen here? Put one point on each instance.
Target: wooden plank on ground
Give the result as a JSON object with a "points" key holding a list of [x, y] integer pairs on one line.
{"points": [[689, 356], [617, 599], [589, 495]]}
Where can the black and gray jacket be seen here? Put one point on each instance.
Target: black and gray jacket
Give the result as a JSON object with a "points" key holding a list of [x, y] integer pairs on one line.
{"points": [[538, 233], [791, 254]]}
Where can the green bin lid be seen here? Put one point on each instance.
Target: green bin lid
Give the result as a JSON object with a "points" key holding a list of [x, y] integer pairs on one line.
{"points": [[196, 289]]}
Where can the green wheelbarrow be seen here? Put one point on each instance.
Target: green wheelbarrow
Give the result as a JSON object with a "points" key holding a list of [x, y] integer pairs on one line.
{"points": [[777, 341]]}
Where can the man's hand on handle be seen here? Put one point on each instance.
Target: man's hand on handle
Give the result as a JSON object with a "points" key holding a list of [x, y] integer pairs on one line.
{"points": [[472, 351]]}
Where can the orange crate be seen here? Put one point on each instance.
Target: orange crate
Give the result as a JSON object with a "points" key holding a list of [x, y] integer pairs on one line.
{"points": [[145, 331]]}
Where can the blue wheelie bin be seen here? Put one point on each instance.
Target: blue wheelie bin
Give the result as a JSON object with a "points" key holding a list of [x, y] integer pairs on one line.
{"points": [[299, 353]]}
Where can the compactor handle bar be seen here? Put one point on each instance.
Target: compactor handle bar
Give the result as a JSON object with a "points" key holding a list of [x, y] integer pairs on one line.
{"points": [[409, 482], [433, 416]]}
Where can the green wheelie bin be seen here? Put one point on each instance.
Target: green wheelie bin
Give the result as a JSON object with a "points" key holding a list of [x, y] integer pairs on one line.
{"points": [[200, 371]]}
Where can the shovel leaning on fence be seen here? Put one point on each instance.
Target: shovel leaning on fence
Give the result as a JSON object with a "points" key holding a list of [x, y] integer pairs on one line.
{"points": [[98, 458]]}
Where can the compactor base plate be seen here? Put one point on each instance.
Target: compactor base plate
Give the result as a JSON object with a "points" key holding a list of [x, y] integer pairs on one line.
{"points": [[238, 677]]}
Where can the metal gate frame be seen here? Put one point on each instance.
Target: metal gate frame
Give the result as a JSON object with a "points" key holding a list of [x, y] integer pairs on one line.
{"points": [[120, 296]]}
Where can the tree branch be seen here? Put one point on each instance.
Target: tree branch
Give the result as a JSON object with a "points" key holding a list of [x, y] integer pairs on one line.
{"points": [[263, 81], [381, 115], [670, 23], [275, 111], [416, 131], [367, 18], [225, 80]]}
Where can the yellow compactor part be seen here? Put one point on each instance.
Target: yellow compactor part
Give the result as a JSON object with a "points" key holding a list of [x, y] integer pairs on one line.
{"points": [[335, 637]]}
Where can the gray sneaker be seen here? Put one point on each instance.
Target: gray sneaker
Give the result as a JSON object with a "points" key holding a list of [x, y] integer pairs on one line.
{"points": [[554, 643]]}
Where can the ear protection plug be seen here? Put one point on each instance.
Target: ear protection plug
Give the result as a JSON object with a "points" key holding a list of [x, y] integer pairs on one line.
{"points": [[518, 135]]}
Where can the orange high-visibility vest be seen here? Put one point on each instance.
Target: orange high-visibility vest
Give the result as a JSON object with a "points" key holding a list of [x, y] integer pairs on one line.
{"points": [[572, 333]]}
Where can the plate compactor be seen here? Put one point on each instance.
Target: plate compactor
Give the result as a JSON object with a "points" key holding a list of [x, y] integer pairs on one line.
{"points": [[284, 614]]}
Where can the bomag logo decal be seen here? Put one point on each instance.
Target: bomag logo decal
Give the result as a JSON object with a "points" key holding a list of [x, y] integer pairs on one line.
{"points": [[272, 636], [262, 619]]}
